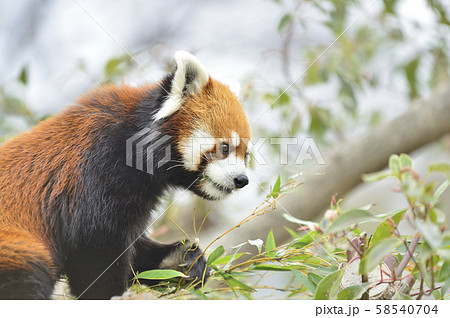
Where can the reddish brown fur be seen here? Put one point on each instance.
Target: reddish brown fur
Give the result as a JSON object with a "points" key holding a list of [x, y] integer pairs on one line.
{"points": [[18, 248], [29, 159], [217, 111]]}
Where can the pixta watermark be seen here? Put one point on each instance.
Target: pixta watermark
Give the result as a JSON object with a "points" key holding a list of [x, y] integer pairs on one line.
{"points": [[150, 150]]}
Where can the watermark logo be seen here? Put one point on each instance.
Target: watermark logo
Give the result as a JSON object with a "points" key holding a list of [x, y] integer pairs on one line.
{"points": [[303, 149], [306, 150], [145, 143], [149, 150]]}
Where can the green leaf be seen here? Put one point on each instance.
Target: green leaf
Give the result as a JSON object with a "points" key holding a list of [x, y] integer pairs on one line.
{"points": [[386, 228], [315, 278], [258, 243], [292, 219], [226, 259], [270, 267], [284, 21], [389, 6], [352, 292], [270, 245], [328, 287], [276, 188], [14, 106], [111, 67], [401, 296], [437, 216], [445, 287], [283, 98], [217, 253], [375, 118], [436, 294], [309, 284], [233, 283], [376, 253], [292, 233], [198, 293], [278, 99], [439, 191], [351, 217], [303, 241], [347, 95], [389, 214], [313, 74], [430, 232], [376, 176], [444, 276], [440, 167], [160, 274], [320, 120], [405, 161], [296, 125], [366, 207], [441, 10], [394, 164], [236, 250], [23, 77], [444, 272], [411, 76]]}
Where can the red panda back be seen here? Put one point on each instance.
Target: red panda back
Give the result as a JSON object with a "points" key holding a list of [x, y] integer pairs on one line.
{"points": [[38, 165]]}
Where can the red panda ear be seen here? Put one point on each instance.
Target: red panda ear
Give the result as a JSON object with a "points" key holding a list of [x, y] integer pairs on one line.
{"points": [[189, 78]]}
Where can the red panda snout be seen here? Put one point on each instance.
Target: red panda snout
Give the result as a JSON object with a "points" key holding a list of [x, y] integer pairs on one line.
{"points": [[217, 160]]}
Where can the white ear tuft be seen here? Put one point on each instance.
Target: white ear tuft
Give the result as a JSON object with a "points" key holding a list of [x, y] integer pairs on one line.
{"points": [[189, 78]]}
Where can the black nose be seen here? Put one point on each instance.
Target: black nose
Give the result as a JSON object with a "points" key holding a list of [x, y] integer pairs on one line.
{"points": [[241, 181]]}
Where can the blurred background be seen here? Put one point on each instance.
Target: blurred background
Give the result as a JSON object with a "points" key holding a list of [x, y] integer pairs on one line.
{"points": [[337, 71]]}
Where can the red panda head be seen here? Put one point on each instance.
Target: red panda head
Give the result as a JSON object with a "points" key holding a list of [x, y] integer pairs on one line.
{"points": [[209, 127]]}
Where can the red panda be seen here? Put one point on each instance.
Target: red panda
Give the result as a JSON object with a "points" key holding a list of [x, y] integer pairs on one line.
{"points": [[76, 191]]}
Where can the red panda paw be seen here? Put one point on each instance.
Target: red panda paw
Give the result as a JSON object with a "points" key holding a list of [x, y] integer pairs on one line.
{"points": [[188, 258]]}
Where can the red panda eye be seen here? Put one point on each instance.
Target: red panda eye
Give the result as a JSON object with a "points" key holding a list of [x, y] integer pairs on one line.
{"points": [[224, 148]]}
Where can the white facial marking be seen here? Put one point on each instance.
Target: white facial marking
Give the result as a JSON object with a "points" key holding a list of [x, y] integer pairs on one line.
{"points": [[209, 188], [235, 139], [222, 172], [194, 147]]}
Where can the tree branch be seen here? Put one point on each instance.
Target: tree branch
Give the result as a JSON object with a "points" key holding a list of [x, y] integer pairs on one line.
{"points": [[408, 255], [425, 121]]}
